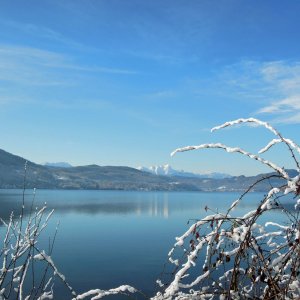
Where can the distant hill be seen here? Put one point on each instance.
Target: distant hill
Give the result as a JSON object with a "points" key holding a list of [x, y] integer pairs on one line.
{"points": [[83, 177], [115, 178]]}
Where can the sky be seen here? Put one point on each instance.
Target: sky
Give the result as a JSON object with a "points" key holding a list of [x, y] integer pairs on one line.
{"points": [[114, 82]]}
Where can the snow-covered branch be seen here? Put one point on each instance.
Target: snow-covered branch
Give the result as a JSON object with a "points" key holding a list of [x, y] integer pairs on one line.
{"points": [[242, 257], [232, 150]]}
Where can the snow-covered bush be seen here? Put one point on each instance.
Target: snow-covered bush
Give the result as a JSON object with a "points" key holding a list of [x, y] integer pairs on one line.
{"points": [[224, 256], [23, 275]]}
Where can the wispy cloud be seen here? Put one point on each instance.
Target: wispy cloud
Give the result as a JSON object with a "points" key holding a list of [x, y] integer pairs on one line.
{"points": [[96, 69], [42, 32], [283, 78], [161, 95], [273, 87], [31, 66], [286, 105], [81, 104]]}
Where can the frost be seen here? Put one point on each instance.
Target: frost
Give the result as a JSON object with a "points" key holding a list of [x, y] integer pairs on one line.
{"points": [[175, 262], [272, 143], [237, 150], [98, 294], [249, 120], [297, 205]]}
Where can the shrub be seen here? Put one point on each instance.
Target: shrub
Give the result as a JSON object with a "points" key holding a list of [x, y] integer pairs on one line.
{"points": [[241, 257]]}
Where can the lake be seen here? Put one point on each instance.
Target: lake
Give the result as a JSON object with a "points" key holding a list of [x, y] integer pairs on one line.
{"points": [[109, 238]]}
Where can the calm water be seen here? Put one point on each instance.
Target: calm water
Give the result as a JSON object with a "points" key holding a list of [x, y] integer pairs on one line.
{"points": [[109, 238]]}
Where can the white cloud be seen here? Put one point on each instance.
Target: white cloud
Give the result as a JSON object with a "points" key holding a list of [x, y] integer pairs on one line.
{"points": [[284, 79], [272, 88], [286, 105], [286, 76]]}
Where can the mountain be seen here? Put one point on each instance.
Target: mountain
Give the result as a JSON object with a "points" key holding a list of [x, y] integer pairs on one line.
{"points": [[12, 174], [83, 177], [167, 170], [58, 165]]}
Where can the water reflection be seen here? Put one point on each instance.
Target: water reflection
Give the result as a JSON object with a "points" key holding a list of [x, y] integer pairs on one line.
{"points": [[153, 204], [90, 202]]}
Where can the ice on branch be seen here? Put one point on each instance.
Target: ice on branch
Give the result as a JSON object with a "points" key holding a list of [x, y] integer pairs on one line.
{"points": [[277, 141], [249, 120], [270, 164], [98, 294]]}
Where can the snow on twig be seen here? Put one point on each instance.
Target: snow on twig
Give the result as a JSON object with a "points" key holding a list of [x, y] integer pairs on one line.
{"points": [[290, 143], [227, 244], [237, 150], [43, 256], [277, 141], [248, 120], [98, 294]]}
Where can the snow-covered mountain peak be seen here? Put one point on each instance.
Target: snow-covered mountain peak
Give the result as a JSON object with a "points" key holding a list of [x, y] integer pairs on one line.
{"points": [[159, 170], [162, 170], [58, 165], [167, 170]]}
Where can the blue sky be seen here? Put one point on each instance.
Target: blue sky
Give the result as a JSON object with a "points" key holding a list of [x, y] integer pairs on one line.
{"points": [[117, 82]]}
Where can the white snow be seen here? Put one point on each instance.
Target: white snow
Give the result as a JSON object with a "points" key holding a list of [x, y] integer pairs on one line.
{"points": [[167, 170]]}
